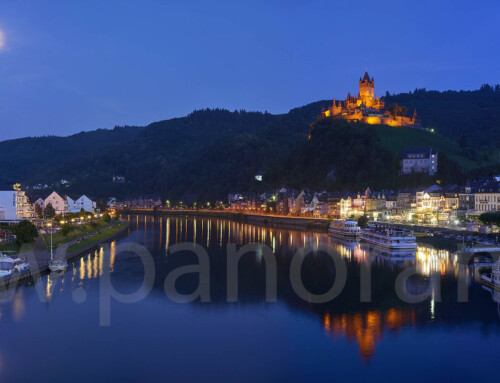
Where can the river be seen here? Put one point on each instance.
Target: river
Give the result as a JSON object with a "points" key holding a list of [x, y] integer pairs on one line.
{"points": [[72, 328]]}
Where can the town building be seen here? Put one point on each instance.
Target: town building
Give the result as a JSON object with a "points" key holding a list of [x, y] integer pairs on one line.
{"points": [[295, 202], [451, 201], [375, 203], [403, 201], [466, 199], [60, 204], [419, 160], [346, 207], [335, 204], [147, 201], [487, 202], [15, 204], [40, 202], [429, 201], [367, 108], [320, 206], [71, 205], [84, 203], [430, 205]]}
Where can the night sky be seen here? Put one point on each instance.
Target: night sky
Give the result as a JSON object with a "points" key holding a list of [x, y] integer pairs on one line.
{"points": [[68, 66]]}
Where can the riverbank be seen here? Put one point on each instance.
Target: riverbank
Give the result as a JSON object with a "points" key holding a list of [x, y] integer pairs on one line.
{"points": [[38, 257], [59, 239], [439, 242], [285, 222], [95, 239]]}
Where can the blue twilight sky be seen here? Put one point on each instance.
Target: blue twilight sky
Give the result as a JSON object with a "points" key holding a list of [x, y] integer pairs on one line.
{"points": [[73, 65]]}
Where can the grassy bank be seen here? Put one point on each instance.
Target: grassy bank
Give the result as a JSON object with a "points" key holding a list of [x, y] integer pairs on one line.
{"points": [[95, 238], [13, 246], [59, 239]]}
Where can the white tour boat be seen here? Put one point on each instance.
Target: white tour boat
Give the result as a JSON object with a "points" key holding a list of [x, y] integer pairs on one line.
{"points": [[492, 279], [345, 228], [389, 238]]}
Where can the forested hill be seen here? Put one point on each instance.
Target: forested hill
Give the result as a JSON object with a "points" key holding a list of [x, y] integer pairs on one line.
{"points": [[209, 153], [473, 114], [202, 154], [35, 159]]}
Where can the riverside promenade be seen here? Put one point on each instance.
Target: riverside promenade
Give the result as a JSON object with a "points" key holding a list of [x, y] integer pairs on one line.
{"points": [[301, 223], [37, 256]]}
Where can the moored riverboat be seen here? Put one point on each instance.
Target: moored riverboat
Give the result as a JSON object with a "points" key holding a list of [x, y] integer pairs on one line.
{"points": [[395, 255], [389, 238], [344, 228], [11, 265], [492, 279]]}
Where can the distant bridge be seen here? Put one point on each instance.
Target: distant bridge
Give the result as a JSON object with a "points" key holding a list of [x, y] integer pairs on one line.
{"points": [[483, 249]]}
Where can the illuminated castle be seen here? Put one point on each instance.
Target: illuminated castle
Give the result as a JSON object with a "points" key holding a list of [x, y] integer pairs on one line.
{"points": [[367, 108]]}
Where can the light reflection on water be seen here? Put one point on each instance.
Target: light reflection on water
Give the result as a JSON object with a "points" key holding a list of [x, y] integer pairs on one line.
{"points": [[348, 319]]}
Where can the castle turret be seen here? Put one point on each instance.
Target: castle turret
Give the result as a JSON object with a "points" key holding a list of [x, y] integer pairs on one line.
{"points": [[336, 109], [367, 90]]}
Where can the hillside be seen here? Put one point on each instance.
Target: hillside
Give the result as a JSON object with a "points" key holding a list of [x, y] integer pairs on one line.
{"points": [[209, 153], [473, 114], [346, 156], [197, 156], [36, 159]]}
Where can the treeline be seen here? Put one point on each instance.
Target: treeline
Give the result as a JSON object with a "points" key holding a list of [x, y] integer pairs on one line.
{"points": [[474, 115]]}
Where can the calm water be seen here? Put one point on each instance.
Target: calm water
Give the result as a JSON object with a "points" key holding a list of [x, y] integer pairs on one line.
{"points": [[251, 340]]}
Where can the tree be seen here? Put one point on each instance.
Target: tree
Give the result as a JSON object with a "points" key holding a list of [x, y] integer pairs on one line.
{"points": [[491, 218], [38, 210], [102, 206], [363, 221], [106, 217], [66, 229], [25, 232], [397, 110], [49, 210]]}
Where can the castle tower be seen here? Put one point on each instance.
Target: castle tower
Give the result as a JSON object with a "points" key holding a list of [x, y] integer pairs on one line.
{"points": [[367, 90], [414, 118]]}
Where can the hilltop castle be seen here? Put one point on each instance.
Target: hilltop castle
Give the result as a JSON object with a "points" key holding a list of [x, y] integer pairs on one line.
{"points": [[368, 109]]}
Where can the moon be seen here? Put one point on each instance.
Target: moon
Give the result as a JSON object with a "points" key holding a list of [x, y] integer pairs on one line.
{"points": [[2, 39]]}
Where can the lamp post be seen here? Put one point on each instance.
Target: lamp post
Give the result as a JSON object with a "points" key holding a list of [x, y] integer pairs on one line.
{"points": [[51, 231]]}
